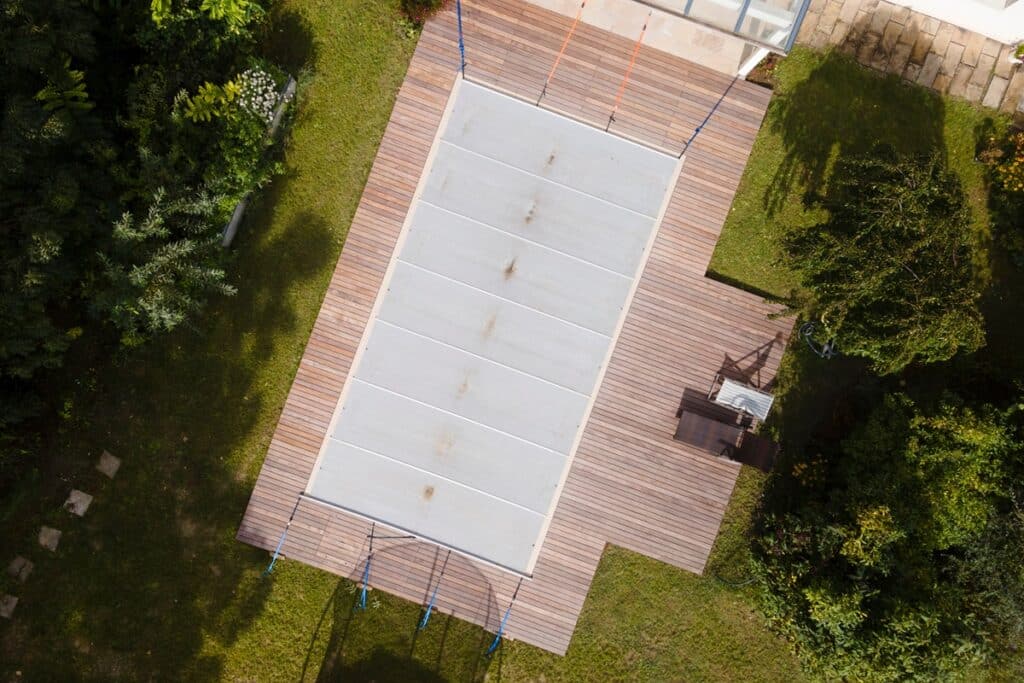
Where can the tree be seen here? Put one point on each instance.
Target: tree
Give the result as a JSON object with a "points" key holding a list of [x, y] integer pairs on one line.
{"points": [[162, 267], [52, 150], [889, 273], [864, 568], [111, 198]]}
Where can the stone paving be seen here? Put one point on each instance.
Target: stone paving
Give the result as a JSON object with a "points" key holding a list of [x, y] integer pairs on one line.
{"points": [[20, 567], [7, 605], [49, 538], [78, 502], [921, 49], [108, 464]]}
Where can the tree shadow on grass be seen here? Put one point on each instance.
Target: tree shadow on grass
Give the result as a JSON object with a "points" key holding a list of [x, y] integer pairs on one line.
{"points": [[1003, 299], [288, 40], [152, 574], [841, 108]]}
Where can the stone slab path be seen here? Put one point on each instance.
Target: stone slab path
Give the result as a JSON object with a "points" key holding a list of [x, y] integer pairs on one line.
{"points": [[49, 538], [7, 605], [78, 502], [108, 464], [20, 567], [920, 49]]}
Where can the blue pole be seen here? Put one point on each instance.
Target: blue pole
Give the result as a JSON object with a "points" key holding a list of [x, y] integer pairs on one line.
{"points": [[801, 15], [707, 118], [462, 44], [433, 596], [504, 620], [284, 535], [366, 571], [742, 16], [366, 581]]}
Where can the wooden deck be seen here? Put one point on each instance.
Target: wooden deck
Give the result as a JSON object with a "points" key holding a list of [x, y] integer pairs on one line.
{"points": [[630, 484]]}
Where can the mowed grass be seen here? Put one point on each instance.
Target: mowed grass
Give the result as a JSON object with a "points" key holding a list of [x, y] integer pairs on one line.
{"points": [[152, 585], [826, 105]]}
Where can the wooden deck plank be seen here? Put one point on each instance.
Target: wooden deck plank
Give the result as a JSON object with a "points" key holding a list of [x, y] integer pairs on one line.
{"points": [[630, 483]]}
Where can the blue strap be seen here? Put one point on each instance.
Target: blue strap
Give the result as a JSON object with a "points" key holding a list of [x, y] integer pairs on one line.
{"points": [[366, 570], [284, 535], [707, 118], [366, 582], [462, 44], [504, 620], [433, 596], [430, 608], [277, 553]]}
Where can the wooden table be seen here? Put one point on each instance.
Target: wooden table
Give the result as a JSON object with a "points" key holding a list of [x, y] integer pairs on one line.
{"points": [[708, 434]]}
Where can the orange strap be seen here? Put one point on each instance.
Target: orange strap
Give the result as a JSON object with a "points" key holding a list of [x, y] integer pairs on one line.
{"points": [[565, 44], [629, 70]]}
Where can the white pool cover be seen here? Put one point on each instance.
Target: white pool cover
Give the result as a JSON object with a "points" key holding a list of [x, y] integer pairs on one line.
{"points": [[490, 336]]}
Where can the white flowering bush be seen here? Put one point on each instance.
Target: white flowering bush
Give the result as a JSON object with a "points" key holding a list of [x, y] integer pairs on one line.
{"points": [[242, 111], [258, 94]]}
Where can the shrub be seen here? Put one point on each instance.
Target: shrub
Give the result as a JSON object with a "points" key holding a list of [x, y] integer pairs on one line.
{"points": [[1004, 158], [1009, 169], [163, 266], [890, 273], [866, 572]]}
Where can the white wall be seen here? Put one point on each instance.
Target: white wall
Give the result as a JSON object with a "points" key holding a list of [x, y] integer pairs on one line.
{"points": [[1005, 25]]}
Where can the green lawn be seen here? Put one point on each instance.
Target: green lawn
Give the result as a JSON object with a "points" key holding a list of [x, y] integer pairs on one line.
{"points": [[151, 585], [826, 106]]}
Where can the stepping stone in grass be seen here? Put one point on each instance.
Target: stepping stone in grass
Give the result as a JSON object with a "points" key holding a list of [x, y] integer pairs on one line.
{"points": [[7, 605], [20, 567], [108, 464], [49, 538], [78, 502]]}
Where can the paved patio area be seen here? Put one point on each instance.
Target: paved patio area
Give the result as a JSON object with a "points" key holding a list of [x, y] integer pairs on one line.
{"points": [[920, 49]]}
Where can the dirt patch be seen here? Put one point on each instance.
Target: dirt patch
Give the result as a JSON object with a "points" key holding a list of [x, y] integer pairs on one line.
{"points": [[764, 73]]}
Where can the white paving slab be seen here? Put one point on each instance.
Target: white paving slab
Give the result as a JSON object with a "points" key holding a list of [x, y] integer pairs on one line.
{"points": [[7, 605], [479, 365], [49, 538], [78, 502], [108, 465], [20, 568]]}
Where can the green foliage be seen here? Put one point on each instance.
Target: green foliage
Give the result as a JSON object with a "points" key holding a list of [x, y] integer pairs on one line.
{"points": [[161, 10], [942, 471], [1004, 160], [236, 14], [94, 134], [66, 91], [860, 566], [1009, 167], [992, 567], [889, 273], [163, 266], [211, 100], [244, 109], [52, 180]]}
